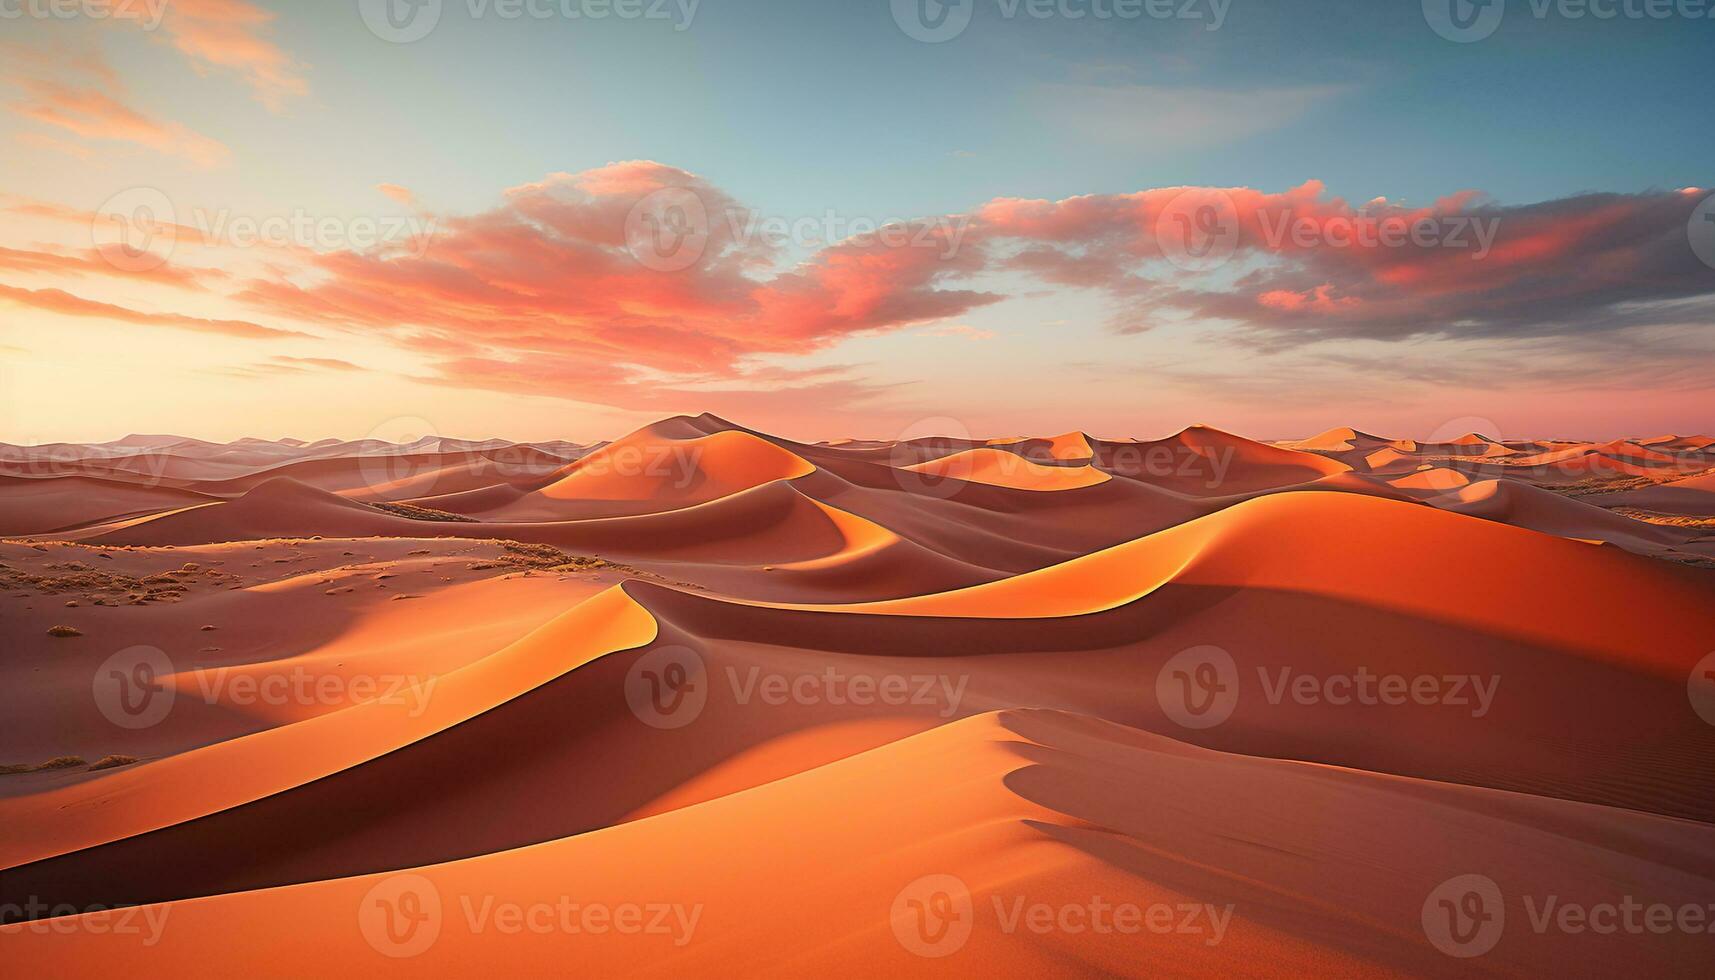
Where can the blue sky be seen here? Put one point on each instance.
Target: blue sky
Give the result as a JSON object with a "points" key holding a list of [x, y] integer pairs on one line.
{"points": [[800, 109]]}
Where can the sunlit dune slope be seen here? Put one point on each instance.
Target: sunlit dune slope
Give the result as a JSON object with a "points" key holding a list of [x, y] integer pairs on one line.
{"points": [[1307, 869], [1004, 469]]}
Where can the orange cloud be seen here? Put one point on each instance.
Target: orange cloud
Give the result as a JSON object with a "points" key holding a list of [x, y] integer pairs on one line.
{"points": [[92, 262], [561, 289], [60, 302], [550, 285], [96, 115], [401, 194], [548, 282], [232, 35]]}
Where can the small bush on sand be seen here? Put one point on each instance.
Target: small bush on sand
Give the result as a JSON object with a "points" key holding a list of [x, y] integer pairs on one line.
{"points": [[112, 762]]}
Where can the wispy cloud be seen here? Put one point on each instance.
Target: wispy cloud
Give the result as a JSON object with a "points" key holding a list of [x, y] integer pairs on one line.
{"points": [[1165, 119], [964, 330], [97, 115], [62, 303], [234, 35]]}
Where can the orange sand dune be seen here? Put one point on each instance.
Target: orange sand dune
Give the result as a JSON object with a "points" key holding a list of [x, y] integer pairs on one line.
{"points": [[1201, 461], [40, 506], [281, 507], [1693, 496], [1436, 478], [1068, 446], [400, 476], [1309, 870], [1522, 505], [1003, 469], [647, 473], [1679, 444], [1342, 439], [947, 680], [1389, 457], [1135, 607]]}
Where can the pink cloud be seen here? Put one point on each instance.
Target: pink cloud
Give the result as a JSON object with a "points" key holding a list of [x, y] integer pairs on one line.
{"points": [[546, 282], [553, 292]]}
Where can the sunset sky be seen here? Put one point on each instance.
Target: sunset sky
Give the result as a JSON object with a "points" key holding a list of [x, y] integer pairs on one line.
{"points": [[328, 229]]}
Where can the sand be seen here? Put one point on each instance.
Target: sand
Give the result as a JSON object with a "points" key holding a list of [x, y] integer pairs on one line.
{"points": [[704, 701]]}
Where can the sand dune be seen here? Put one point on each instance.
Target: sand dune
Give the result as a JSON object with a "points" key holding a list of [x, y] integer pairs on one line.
{"points": [[985, 818], [1522, 505], [1692, 496], [43, 506], [1003, 469], [1019, 612]]}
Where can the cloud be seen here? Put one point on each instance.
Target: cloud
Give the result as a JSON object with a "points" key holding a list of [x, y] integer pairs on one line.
{"points": [[1171, 119], [95, 108], [401, 194], [546, 287], [1305, 266], [305, 363], [283, 365], [47, 142], [554, 292], [91, 262], [62, 303], [232, 35], [964, 330]]}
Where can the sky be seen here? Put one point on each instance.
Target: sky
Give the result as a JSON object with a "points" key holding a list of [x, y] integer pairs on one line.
{"points": [[540, 219]]}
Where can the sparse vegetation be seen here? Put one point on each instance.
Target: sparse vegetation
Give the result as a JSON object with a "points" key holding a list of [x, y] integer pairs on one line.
{"points": [[547, 558], [416, 513], [112, 762], [58, 762], [1666, 520], [105, 587], [1587, 488]]}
